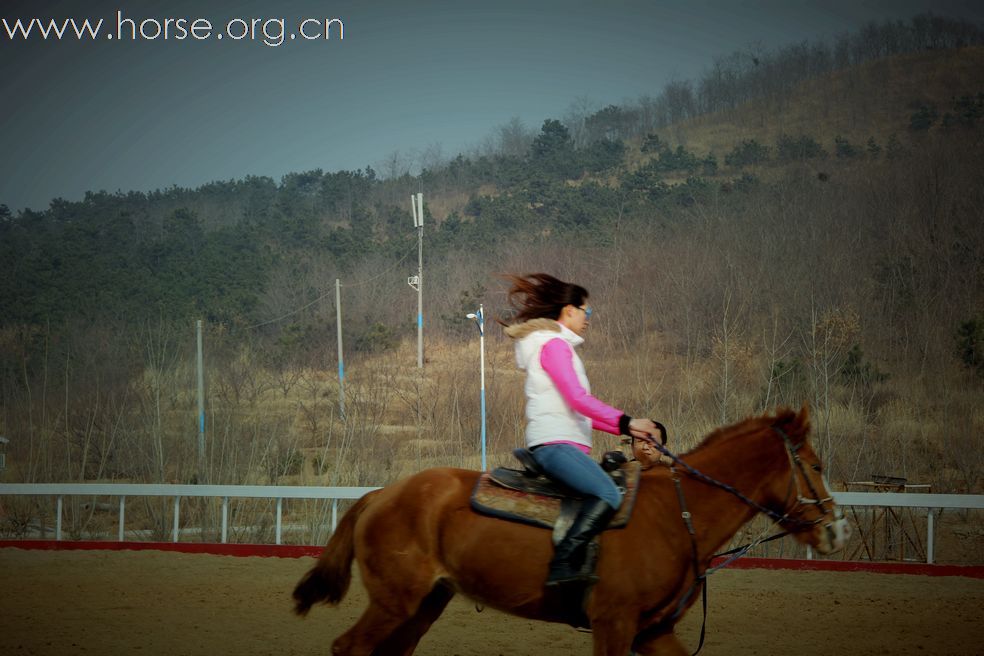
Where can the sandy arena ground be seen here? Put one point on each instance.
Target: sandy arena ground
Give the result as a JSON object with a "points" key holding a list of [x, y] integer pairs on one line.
{"points": [[102, 602]]}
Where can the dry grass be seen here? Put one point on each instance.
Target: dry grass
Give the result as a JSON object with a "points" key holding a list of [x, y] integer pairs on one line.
{"points": [[401, 420]]}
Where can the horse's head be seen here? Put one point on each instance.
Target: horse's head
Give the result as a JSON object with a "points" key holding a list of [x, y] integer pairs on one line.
{"points": [[804, 497]]}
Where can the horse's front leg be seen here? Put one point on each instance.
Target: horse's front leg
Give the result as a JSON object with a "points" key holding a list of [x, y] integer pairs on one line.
{"points": [[658, 643], [612, 636]]}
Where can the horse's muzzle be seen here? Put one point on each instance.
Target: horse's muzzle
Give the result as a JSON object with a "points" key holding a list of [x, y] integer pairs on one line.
{"points": [[833, 535]]}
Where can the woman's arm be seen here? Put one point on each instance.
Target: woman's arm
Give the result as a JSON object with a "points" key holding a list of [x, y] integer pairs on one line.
{"points": [[557, 359]]}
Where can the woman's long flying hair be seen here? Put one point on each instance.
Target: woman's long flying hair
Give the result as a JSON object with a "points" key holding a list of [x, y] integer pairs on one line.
{"points": [[540, 295]]}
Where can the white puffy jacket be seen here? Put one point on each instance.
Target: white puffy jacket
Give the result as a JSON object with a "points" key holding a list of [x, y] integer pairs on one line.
{"points": [[548, 416]]}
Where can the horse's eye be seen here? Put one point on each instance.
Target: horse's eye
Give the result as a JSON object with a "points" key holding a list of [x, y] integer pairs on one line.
{"points": [[816, 468]]}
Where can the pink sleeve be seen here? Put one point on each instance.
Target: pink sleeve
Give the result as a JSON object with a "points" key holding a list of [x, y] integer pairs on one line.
{"points": [[557, 359], [608, 428]]}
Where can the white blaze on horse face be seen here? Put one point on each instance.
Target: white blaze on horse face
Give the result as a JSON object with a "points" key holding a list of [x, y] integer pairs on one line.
{"points": [[840, 530], [832, 536], [842, 533]]}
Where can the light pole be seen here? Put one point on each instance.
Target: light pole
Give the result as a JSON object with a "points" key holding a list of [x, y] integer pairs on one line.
{"points": [[201, 402], [341, 356], [479, 319], [417, 281]]}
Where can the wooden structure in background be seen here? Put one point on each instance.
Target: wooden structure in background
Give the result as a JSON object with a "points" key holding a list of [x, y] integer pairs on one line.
{"points": [[887, 533]]}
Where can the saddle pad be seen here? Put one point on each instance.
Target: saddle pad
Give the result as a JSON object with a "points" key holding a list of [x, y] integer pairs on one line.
{"points": [[490, 498], [521, 481]]}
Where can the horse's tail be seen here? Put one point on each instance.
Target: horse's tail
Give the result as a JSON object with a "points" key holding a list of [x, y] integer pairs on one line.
{"points": [[329, 579]]}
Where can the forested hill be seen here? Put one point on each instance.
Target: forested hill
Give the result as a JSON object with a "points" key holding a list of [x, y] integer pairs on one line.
{"points": [[242, 251]]}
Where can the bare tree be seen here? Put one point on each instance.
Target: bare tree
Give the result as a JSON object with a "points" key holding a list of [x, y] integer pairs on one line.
{"points": [[576, 117], [514, 138]]}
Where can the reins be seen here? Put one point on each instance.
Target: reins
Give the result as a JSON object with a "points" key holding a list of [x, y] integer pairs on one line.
{"points": [[780, 518], [698, 576]]}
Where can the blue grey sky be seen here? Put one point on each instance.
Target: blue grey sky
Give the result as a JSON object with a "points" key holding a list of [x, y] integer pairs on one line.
{"points": [[147, 114]]}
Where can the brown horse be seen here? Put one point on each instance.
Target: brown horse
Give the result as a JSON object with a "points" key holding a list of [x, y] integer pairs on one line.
{"points": [[418, 542]]}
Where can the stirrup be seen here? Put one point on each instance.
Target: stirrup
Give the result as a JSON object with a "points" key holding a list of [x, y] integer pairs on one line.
{"points": [[581, 574]]}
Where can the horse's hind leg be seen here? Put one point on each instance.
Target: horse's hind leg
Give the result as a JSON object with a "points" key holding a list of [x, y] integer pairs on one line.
{"points": [[404, 639], [395, 619], [373, 626]]}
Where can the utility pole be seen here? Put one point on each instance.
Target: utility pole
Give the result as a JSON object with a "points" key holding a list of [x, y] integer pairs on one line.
{"points": [[341, 359], [479, 319], [201, 403], [417, 205]]}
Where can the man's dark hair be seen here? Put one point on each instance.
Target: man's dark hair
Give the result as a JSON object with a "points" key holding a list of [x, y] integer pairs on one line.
{"points": [[663, 435]]}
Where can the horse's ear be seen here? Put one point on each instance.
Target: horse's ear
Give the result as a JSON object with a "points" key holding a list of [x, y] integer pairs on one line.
{"points": [[804, 414], [803, 419], [794, 423]]}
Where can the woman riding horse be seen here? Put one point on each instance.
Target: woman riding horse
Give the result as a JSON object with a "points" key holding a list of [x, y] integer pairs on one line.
{"points": [[418, 543], [551, 319]]}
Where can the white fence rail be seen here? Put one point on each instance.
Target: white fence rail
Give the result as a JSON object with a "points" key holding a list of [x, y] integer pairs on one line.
{"points": [[933, 503], [224, 492]]}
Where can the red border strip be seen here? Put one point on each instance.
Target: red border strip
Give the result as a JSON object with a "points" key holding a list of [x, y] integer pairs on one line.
{"points": [[301, 551], [921, 569], [268, 550]]}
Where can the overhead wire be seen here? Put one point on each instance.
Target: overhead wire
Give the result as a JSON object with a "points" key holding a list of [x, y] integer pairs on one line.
{"points": [[328, 293], [384, 272]]}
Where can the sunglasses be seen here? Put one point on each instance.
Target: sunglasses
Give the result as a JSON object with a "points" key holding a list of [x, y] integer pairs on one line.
{"points": [[587, 312]]}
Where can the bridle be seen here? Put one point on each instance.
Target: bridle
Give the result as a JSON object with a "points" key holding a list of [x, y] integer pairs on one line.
{"points": [[796, 466]]}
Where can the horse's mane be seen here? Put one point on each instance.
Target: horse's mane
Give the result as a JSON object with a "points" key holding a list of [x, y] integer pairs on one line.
{"points": [[789, 421]]}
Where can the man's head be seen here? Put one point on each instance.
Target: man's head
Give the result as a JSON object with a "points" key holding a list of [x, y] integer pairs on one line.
{"points": [[644, 449], [645, 452]]}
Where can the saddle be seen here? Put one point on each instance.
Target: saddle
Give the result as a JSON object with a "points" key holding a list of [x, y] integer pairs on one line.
{"points": [[529, 497]]}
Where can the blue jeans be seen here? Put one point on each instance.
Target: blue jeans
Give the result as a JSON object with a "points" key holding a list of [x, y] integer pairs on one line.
{"points": [[575, 469]]}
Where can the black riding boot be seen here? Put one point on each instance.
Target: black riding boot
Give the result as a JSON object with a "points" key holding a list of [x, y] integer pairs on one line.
{"points": [[568, 556]]}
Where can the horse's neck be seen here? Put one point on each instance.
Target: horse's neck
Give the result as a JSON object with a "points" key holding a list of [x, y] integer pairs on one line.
{"points": [[717, 514]]}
